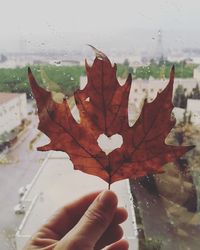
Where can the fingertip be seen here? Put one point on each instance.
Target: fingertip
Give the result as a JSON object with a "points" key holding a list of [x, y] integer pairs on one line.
{"points": [[108, 199]]}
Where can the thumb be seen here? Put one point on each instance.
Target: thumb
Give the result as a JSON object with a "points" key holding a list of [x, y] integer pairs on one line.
{"points": [[93, 224]]}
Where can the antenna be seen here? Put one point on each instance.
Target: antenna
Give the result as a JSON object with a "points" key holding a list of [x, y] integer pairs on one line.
{"points": [[159, 48]]}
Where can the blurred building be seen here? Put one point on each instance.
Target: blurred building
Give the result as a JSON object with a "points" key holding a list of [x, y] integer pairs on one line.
{"points": [[141, 89], [196, 73], [13, 112]]}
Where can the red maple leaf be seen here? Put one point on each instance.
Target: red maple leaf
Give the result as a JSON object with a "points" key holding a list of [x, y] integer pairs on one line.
{"points": [[103, 109]]}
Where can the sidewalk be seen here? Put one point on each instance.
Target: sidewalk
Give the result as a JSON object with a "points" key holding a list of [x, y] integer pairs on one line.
{"points": [[56, 184]]}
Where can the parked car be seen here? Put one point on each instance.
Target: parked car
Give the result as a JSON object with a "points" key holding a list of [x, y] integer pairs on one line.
{"points": [[22, 190], [19, 209]]}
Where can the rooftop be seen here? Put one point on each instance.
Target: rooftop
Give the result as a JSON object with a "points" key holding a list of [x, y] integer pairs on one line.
{"points": [[5, 97]]}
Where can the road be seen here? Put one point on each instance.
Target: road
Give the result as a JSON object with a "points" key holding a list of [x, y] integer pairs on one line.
{"points": [[23, 165]]}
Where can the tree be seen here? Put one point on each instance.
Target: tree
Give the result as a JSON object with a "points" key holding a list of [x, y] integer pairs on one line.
{"points": [[195, 94], [180, 98], [126, 62], [3, 58]]}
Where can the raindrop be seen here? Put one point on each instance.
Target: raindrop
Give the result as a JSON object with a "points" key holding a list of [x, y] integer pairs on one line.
{"points": [[147, 204]]}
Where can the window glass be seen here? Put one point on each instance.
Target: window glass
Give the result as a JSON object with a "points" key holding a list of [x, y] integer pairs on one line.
{"points": [[144, 38]]}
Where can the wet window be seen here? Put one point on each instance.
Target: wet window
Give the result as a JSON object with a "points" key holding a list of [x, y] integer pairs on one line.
{"points": [[145, 39]]}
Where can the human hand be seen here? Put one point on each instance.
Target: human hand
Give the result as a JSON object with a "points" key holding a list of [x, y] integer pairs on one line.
{"points": [[90, 223]]}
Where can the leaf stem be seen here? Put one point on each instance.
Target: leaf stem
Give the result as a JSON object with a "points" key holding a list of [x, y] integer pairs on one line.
{"points": [[109, 180]]}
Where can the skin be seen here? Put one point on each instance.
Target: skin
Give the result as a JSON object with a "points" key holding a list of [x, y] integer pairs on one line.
{"points": [[90, 223]]}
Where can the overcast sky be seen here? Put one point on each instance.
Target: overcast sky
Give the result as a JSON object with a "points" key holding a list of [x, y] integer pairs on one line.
{"points": [[49, 22]]}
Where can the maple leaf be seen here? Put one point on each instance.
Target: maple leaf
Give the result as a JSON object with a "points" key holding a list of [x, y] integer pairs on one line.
{"points": [[103, 109]]}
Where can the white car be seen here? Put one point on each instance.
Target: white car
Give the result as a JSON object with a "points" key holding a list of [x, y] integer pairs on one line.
{"points": [[19, 209], [22, 190]]}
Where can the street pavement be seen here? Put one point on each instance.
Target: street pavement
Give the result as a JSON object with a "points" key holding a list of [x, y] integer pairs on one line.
{"points": [[23, 165]]}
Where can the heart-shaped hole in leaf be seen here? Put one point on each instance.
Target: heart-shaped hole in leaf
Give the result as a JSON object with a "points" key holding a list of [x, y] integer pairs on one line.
{"points": [[108, 144]]}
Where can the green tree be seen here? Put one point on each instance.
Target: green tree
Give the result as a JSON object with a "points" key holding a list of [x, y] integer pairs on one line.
{"points": [[126, 62], [3, 58], [180, 98]]}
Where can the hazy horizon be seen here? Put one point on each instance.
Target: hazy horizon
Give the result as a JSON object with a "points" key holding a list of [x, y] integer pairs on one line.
{"points": [[110, 25]]}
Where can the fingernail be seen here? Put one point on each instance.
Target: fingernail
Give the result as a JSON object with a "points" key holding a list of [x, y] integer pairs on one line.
{"points": [[108, 199]]}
